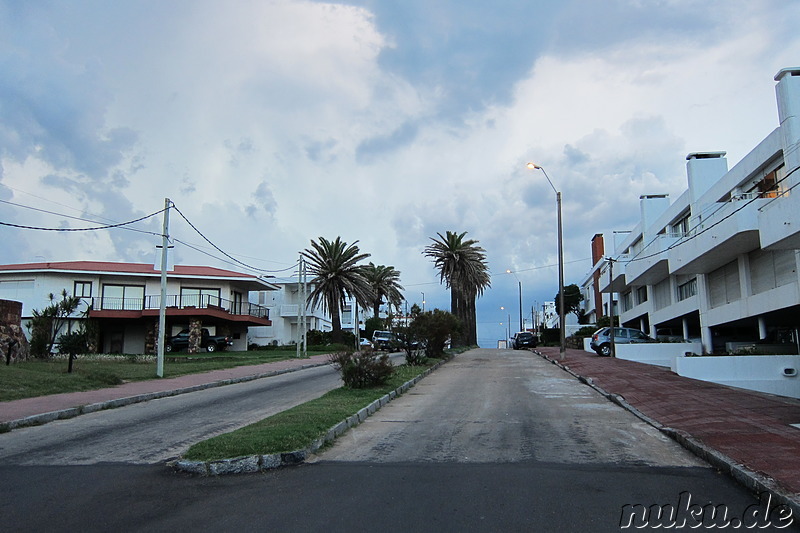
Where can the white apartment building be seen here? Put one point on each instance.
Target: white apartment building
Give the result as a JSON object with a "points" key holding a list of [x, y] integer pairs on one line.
{"points": [[720, 263], [285, 307]]}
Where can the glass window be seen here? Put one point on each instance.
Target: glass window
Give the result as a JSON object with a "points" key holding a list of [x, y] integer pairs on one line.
{"points": [[197, 297], [83, 289], [122, 297]]}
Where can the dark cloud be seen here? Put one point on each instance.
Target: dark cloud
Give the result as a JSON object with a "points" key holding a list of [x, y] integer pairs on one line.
{"points": [[376, 146]]}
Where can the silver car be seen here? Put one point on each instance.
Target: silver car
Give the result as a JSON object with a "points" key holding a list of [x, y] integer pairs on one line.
{"points": [[601, 339]]}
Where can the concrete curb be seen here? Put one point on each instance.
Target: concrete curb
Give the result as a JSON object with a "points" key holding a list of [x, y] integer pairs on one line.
{"points": [[71, 412], [251, 464], [751, 480]]}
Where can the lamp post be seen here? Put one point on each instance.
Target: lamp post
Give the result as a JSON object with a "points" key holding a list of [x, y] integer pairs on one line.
{"points": [[423, 302], [521, 323], [563, 339]]}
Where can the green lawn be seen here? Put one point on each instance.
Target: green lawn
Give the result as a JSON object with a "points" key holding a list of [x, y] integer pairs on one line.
{"points": [[299, 426], [38, 378]]}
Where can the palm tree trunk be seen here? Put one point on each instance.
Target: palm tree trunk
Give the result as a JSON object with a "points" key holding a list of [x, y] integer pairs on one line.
{"points": [[336, 323]]}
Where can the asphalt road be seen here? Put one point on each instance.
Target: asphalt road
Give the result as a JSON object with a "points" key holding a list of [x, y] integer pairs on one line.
{"points": [[492, 441]]}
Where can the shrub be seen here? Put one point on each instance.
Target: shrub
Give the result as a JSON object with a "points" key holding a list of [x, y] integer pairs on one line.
{"points": [[435, 328], [360, 370]]}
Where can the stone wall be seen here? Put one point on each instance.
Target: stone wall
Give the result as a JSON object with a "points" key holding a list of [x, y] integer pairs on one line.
{"points": [[13, 344]]}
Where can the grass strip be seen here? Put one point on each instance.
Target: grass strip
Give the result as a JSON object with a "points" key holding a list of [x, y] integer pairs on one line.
{"points": [[32, 378], [298, 427]]}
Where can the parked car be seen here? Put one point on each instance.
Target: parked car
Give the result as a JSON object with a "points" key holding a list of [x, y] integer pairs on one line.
{"points": [[365, 344], [523, 339], [208, 342], [601, 339], [383, 340]]}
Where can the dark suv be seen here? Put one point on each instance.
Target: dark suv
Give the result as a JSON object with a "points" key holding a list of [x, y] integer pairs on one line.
{"points": [[601, 340], [208, 342], [523, 339]]}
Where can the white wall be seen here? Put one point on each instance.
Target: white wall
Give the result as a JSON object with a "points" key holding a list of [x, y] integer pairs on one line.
{"points": [[658, 354], [764, 373]]}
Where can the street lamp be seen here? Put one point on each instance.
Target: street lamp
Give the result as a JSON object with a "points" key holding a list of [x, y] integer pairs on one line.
{"points": [[521, 325], [423, 302], [563, 339]]}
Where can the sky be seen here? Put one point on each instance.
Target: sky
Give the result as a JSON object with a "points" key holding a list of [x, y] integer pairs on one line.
{"points": [[270, 123]]}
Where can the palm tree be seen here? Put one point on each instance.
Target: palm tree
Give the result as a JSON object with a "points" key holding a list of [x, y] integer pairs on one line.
{"points": [[385, 283], [462, 267], [337, 277]]}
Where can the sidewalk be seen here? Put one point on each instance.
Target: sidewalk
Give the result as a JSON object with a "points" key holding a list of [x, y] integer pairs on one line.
{"points": [[31, 411], [746, 434]]}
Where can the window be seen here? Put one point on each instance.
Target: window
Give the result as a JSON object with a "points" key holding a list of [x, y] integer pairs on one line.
{"points": [[681, 227], [627, 301], [769, 270], [16, 289], [641, 295], [197, 297], [687, 290], [770, 186], [723, 285], [661, 295], [83, 289], [122, 297]]}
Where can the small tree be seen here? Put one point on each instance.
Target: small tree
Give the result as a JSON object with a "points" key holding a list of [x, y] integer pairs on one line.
{"points": [[411, 342], [45, 325], [72, 344], [572, 300]]}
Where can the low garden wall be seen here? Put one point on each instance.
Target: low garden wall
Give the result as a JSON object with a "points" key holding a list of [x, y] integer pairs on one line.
{"points": [[774, 374]]}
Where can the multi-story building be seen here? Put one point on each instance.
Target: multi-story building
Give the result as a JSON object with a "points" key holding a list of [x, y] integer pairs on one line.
{"points": [[285, 307], [124, 299], [720, 263]]}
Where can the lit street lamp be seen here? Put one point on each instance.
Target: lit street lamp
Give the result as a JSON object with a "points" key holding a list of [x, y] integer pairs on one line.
{"points": [[560, 264], [521, 324]]}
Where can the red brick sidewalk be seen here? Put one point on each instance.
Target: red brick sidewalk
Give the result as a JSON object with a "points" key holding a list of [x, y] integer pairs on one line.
{"points": [[751, 428], [74, 403]]}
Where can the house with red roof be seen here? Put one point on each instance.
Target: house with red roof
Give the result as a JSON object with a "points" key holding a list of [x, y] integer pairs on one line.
{"points": [[123, 299]]}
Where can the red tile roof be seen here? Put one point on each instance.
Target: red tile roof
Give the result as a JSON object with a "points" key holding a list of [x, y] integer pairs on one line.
{"points": [[128, 268]]}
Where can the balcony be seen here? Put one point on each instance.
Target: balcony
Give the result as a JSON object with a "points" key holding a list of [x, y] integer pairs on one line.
{"points": [[779, 223], [618, 282], [651, 265], [176, 305], [730, 231]]}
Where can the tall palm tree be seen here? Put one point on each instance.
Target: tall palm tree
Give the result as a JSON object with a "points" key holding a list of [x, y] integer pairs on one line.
{"points": [[337, 277], [462, 267], [385, 283]]}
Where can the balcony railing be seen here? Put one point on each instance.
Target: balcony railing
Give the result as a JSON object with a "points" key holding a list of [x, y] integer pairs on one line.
{"points": [[175, 301]]}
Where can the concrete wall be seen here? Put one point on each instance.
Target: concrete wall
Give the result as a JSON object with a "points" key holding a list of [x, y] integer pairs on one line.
{"points": [[658, 354], [764, 373]]}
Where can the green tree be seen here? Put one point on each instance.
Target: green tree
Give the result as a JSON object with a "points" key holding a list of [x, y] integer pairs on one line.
{"points": [[385, 283], [337, 277], [45, 325], [572, 300], [434, 329], [462, 267]]}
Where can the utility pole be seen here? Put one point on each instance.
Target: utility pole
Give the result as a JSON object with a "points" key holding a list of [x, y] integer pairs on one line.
{"points": [[302, 325], [611, 304], [162, 307]]}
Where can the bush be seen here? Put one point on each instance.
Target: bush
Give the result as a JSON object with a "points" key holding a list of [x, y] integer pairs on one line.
{"points": [[360, 370], [435, 328]]}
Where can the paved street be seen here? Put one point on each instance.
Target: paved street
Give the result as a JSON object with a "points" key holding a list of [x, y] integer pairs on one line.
{"points": [[494, 440], [506, 406], [159, 430]]}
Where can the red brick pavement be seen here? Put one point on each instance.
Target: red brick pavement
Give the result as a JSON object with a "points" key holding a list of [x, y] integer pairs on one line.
{"points": [[751, 428]]}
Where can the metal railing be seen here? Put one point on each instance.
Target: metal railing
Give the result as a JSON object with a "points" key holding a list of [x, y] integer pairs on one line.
{"points": [[175, 301]]}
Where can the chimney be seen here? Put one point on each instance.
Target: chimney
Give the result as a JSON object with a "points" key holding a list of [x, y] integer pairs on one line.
{"points": [[652, 206], [788, 93], [598, 253], [704, 169]]}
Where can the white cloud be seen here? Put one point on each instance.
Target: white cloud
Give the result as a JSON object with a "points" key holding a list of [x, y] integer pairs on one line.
{"points": [[272, 123]]}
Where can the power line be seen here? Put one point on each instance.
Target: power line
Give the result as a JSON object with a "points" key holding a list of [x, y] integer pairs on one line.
{"points": [[96, 228], [220, 250]]}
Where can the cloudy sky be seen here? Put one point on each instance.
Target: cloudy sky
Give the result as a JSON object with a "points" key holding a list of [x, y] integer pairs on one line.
{"points": [[272, 122]]}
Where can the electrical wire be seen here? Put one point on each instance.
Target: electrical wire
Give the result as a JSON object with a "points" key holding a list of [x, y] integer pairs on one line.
{"points": [[220, 250], [96, 228]]}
